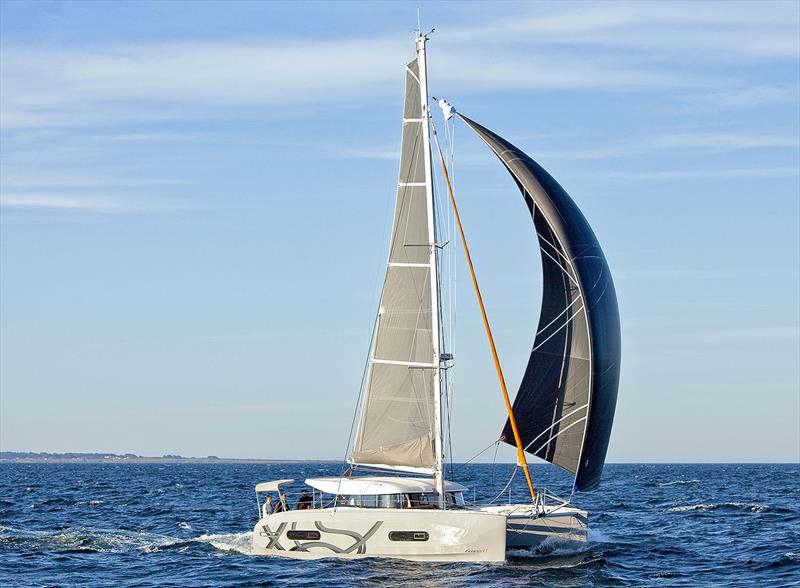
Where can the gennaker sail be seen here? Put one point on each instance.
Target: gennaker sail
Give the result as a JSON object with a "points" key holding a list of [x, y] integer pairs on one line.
{"points": [[565, 404]]}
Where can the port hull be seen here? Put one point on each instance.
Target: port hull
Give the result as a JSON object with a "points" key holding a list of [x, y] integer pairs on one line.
{"points": [[419, 535]]}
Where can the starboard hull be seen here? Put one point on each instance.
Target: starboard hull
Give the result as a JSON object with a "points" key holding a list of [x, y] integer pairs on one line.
{"points": [[529, 527]]}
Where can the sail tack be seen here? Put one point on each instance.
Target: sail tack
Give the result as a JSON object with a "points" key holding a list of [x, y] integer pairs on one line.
{"points": [[397, 422], [565, 404]]}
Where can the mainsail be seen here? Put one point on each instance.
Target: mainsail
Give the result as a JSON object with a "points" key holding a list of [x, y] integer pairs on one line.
{"points": [[398, 423], [565, 404]]}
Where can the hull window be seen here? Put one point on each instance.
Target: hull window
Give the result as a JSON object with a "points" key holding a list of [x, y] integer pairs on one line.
{"points": [[303, 535], [408, 536]]}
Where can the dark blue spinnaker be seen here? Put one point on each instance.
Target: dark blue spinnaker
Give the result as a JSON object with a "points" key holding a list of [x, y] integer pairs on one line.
{"points": [[565, 404]]}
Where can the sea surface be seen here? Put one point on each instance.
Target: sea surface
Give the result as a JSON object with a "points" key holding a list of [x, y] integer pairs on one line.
{"points": [[190, 525]]}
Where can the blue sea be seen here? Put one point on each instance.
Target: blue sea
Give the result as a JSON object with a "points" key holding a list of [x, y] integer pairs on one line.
{"points": [[190, 524]]}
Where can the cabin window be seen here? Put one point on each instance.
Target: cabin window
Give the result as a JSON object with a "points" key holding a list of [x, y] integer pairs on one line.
{"points": [[303, 535], [456, 498], [370, 500], [390, 500], [408, 536]]}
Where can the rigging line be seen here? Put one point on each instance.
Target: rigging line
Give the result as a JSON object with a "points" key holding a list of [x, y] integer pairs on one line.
{"points": [[484, 450], [521, 461], [494, 459], [503, 491]]}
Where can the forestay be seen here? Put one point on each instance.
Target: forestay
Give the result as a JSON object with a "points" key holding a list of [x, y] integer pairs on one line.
{"points": [[565, 404], [397, 422]]}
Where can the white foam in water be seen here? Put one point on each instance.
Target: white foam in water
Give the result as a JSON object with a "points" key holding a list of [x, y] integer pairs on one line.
{"points": [[94, 540], [596, 536], [677, 482], [550, 547], [230, 542], [706, 507]]}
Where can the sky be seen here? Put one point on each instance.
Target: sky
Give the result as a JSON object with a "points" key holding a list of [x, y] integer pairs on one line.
{"points": [[195, 201]]}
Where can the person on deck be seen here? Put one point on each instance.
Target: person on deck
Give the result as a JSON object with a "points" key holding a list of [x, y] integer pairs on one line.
{"points": [[281, 505], [304, 502], [267, 509]]}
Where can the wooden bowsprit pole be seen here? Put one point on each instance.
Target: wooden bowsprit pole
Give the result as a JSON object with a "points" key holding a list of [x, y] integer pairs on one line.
{"points": [[521, 461]]}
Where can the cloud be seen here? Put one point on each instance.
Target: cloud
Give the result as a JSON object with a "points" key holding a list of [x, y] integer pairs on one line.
{"points": [[58, 86], [702, 274], [31, 180], [692, 174], [703, 30], [759, 95], [698, 140], [90, 203]]}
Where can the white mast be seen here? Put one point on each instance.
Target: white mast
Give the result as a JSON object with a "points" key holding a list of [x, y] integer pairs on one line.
{"points": [[438, 472]]}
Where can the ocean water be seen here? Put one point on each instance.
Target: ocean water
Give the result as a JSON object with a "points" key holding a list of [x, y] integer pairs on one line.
{"points": [[190, 525]]}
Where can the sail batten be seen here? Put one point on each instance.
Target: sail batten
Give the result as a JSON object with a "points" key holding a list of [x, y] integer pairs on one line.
{"points": [[565, 404]]}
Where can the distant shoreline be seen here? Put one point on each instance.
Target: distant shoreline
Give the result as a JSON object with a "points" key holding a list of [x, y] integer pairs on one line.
{"points": [[30, 457], [107, 458]]}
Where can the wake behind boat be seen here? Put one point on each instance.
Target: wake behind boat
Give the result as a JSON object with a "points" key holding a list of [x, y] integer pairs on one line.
{"points": [[562, 413]]}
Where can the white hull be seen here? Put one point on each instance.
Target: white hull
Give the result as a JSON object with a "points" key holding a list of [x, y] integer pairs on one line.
{"points": [[418, 535], [527, 528]]}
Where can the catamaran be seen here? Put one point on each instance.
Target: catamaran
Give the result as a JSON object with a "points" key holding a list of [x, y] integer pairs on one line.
{"points": [[562, 412]]}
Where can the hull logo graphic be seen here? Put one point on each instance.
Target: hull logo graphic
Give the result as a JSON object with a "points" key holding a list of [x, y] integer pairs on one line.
{"points": [[359, 541], [273, 536]]}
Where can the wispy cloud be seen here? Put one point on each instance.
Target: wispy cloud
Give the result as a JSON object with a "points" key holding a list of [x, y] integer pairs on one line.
{"points": [[697, 140], [94, 84], [758, 95], [691, 174], [696, 274], [29, 180], [90, 203], [704, 30]]}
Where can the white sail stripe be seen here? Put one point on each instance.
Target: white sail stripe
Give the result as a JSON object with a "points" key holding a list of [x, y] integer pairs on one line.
{"points": [[550, 439], [566, 416], [404, 184], [556, 249], [404, 264], [561, 267], [558, 329], [405, 120], [547, 326], [413, 75], [405, 363]]}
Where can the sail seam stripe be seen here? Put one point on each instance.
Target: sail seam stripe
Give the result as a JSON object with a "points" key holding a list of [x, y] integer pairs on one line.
{"points": [[556, 249], [558, 330], [561, 267], [406, 363], [404, 264], [566, 416], [547, 326], [550, 439]]}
